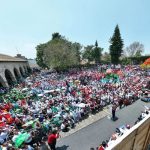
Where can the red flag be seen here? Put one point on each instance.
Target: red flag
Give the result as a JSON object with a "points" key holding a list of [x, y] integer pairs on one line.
{"points": [[9, 118], [2, 124]]}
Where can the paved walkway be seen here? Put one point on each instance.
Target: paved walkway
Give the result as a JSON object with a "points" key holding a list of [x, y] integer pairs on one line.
{"points": [[92, 135], [91, 119]]}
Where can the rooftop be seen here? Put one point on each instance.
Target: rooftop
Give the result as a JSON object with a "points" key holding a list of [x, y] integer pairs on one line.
{"points": [[7, 58]]}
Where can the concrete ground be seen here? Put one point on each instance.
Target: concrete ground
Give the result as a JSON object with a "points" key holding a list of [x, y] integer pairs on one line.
{"points": [[91, 132]]}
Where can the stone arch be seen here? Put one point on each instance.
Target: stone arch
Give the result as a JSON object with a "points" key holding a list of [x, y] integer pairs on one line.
{"points": [[9, 77], [21, 71], [25, 69], [29, 69], [2, 82], [16, 73]]}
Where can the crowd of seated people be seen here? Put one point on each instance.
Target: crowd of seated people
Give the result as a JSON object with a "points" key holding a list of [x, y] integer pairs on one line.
{"points": [[43, 102]]}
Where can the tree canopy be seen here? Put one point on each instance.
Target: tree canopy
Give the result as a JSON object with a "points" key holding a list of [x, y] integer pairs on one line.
{"points": [[97, 53], [116, 46], [58, 53], [40, 55], [93, 53], [88, 53], [134, 50]]}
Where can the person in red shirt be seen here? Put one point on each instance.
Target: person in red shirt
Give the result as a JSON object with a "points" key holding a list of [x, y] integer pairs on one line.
{"points": [[52, 139], [103, 146]]}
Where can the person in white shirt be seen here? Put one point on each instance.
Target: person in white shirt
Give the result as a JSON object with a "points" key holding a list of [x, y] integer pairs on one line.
{"points": [[3, 136]]}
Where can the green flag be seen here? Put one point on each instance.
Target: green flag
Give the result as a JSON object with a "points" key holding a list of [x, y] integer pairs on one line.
{"points": [[20, 139]]}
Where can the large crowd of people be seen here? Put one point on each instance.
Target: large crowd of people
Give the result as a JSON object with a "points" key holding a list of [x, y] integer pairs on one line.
{"points": [[49, 101]]}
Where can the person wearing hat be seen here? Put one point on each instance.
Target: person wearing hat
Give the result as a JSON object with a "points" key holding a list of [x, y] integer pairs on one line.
{"points": [[52, 139]]}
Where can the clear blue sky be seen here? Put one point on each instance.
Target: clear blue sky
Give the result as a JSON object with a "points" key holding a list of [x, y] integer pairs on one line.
{"points": [[26, 23]]}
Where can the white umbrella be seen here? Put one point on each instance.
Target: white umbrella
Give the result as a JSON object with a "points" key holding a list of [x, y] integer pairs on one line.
{"points": [[82, 105], [58, 90], [29, 83], [48, 91], [63, 88], [25, 89], [40, 95]]}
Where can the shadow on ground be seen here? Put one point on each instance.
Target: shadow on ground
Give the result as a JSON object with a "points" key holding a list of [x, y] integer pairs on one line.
{"points": [[64, 147]]}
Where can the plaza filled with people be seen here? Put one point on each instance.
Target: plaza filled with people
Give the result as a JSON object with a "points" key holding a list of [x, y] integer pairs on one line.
{"points": [[49, 102]]}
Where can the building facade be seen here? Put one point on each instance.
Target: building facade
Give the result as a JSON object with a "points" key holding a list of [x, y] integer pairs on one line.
{"points": [[12, 70]]}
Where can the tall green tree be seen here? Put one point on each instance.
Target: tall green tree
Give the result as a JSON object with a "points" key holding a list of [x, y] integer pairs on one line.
{"points": [[97, 53], [116, 46]]}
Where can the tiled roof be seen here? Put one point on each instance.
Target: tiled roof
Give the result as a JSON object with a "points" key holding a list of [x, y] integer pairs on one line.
{"points": [[7, 58]]}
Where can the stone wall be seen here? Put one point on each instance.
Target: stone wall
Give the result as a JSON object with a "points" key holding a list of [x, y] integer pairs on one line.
{"points": [[138, 137], [12, 70]]}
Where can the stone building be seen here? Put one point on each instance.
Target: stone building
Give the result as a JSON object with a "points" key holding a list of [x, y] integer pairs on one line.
{"points": [[12, 70]]}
